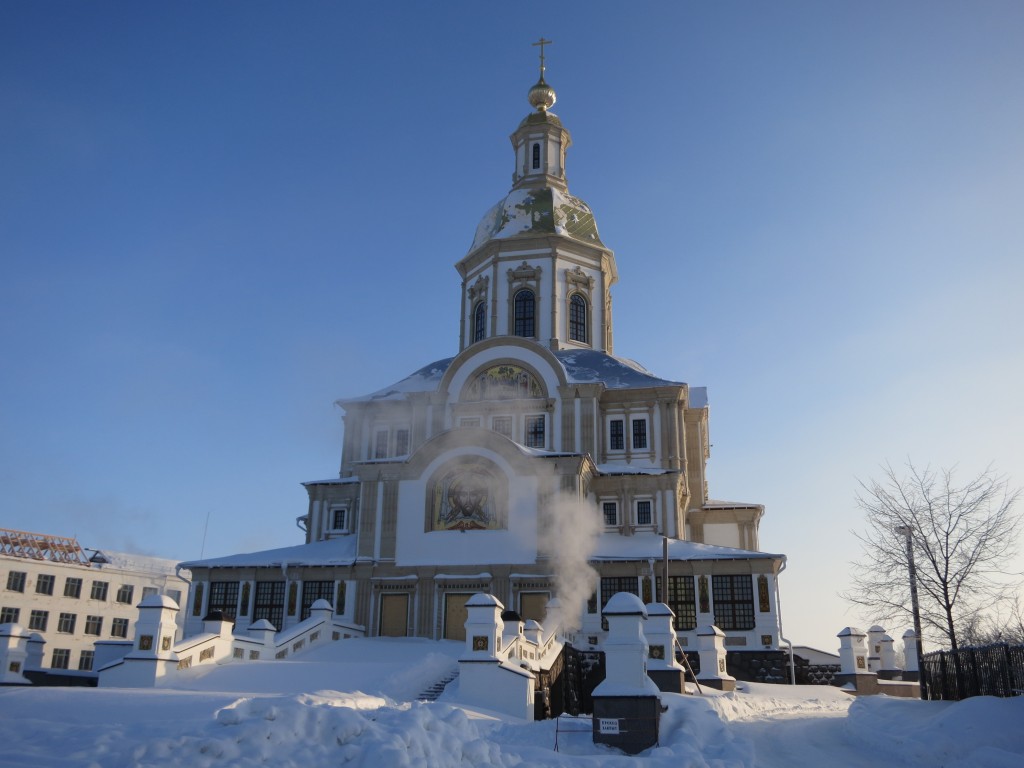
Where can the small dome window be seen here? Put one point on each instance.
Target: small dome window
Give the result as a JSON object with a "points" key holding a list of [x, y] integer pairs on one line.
{"points": [[536, 156]]}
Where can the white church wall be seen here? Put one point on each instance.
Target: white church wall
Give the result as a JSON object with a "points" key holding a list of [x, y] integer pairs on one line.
{"points": [[722, 534], [517, 544]]}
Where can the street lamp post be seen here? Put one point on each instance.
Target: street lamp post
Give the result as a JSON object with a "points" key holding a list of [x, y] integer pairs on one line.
{"points": [[908, 532]]}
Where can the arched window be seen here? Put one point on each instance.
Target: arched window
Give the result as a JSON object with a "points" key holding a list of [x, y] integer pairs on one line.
{"points": [[578, 318], [536, 156], [479, 322], [525, 311]]}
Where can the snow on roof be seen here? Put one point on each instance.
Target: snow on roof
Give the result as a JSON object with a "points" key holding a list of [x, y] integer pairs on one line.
{"points": [[585, 366], [582, 366], [630, 469], [337, 551], [648, 546], [717, 504], [426, 379], [532, 211], [142, 563]]}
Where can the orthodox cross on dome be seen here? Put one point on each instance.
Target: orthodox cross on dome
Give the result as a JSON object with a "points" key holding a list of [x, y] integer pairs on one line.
{"points": [[542, 42], [542, 95]]}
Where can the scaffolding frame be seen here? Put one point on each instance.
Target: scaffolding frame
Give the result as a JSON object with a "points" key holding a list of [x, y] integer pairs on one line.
{"points": [[42, 546]]}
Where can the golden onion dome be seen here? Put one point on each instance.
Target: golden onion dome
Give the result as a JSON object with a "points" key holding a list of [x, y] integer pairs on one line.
{"points": [[542, 96]]}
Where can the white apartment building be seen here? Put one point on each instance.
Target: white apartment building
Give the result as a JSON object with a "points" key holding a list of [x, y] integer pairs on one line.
{"points": [[73, 597]]}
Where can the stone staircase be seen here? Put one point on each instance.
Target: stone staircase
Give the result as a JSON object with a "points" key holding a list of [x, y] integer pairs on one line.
{"points": [[437, 688]]}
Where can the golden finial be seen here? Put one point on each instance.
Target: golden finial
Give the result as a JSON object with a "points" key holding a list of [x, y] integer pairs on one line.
{"points": [[542, 95]]}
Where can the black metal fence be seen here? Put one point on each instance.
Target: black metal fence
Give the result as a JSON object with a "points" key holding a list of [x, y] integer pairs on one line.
{"points": [[991, 670]]}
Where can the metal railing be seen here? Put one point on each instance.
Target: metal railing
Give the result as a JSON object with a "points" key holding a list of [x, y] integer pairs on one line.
{"points": [[991, 670]]}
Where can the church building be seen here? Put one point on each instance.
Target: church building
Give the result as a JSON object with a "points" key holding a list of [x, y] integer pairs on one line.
{"points": [[461, 477]]}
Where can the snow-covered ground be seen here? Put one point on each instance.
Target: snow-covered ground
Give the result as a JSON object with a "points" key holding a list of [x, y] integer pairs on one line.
{"points": [[354, 703]]}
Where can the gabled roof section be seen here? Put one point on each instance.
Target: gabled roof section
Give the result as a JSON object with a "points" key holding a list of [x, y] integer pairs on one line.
{"points": [[337, 551], [648, 546], [582, 366], [588, 366], [426, 379]]}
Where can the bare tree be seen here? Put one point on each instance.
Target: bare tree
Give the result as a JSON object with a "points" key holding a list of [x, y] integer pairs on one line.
{"points": [[963, 538]]}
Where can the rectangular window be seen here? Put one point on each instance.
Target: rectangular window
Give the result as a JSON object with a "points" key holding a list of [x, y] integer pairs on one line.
{"points": [[639, 434], [269, 603], [224, 598], [66, 623], [611, 585], [149, 592], [93, 625], [401, 442], [313, 591], [616, 438], [61, 658], [72, 587], [38, 620], [16, 581], [9, 615], [99, 590], [44, 584], [681, 599], [380, 445], [339, 519], [534, 431], [734, 602], [119, 628], [611, 512], [85, 660], [502, 425], [470, 422], [643, 512], [175, 595], [125, 593]]}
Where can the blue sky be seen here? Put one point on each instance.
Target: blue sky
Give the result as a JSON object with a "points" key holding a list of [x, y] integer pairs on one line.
{"points": [[218, 218]]}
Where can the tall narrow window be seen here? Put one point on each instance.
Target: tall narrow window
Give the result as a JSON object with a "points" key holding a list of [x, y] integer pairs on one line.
{"points": [[616, 439], [578, 318], [380, 447], [534, 431], [536, 156], [643, 512], [401, 442], [525, 312], [611, 513], [479, 322], [639, 434]]}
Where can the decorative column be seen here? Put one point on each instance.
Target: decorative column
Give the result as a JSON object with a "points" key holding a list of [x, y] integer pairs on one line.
{"points": [[487, 678], [854, 675], [887, 655], [13, 653], [875, 635], [152, 656], [711, 649], [627, 704], [662, 667]]}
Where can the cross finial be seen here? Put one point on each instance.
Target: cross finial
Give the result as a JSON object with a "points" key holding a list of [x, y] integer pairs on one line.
{"points": [[542, 42]]}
